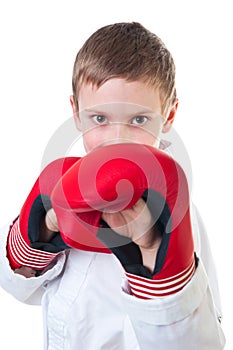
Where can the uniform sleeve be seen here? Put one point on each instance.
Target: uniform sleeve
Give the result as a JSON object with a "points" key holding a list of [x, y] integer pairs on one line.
{"points": [[28, 290], [203, 250], [185, 320]]}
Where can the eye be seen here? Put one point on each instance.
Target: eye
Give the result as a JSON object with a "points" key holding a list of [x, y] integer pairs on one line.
{"points": [[99, 119], [139, 120]]}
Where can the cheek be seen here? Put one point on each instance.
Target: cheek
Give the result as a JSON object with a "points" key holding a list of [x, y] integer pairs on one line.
{"points": [[93, 138], [147, 139], [89, 142], [148, 136]]}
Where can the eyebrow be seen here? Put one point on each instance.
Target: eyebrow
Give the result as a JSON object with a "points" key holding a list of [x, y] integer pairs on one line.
{"points": [[101, 112], [93, 111]]}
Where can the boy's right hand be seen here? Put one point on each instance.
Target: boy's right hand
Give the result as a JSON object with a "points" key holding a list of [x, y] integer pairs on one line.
{"points": [[30, 243], [51, 221]]}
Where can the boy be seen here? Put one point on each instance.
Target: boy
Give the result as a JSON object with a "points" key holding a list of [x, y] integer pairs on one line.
{"points": [[123, 90]]}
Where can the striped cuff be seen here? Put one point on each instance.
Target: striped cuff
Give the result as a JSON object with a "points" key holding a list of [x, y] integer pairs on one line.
{"points": [[21, 254], [145, 288]]}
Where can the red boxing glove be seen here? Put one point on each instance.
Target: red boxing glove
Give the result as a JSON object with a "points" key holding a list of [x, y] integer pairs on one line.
{"points": [[24, 247], [114, 178]]}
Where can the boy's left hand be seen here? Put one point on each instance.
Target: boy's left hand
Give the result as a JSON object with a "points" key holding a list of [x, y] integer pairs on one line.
{"points": [[137, 224]]}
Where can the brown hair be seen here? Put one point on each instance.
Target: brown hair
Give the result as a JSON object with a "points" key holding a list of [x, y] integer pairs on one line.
{"points": [[128, 51]]}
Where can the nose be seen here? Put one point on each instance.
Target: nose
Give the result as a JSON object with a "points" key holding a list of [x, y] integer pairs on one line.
{"points": [[120, 131]]}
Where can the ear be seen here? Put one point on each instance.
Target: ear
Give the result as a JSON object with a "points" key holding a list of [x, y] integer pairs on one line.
{"points": [[171, 116], [75, 113]]}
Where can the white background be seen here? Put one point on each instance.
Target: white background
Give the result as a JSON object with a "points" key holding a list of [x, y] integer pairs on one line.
{"points": [[39, 41]]}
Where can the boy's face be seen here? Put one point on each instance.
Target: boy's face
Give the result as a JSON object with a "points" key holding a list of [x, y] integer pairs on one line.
{"points": [[120, 111]]}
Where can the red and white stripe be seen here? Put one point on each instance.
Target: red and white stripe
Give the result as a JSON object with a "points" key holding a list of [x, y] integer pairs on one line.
{"points": [[21, 254], [145, 288]]}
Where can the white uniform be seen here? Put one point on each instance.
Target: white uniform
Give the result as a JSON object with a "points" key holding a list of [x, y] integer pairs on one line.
{"points": [[87, 304]]}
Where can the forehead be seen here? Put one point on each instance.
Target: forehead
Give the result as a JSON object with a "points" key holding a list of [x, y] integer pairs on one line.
{"points": [[122, 92]]}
